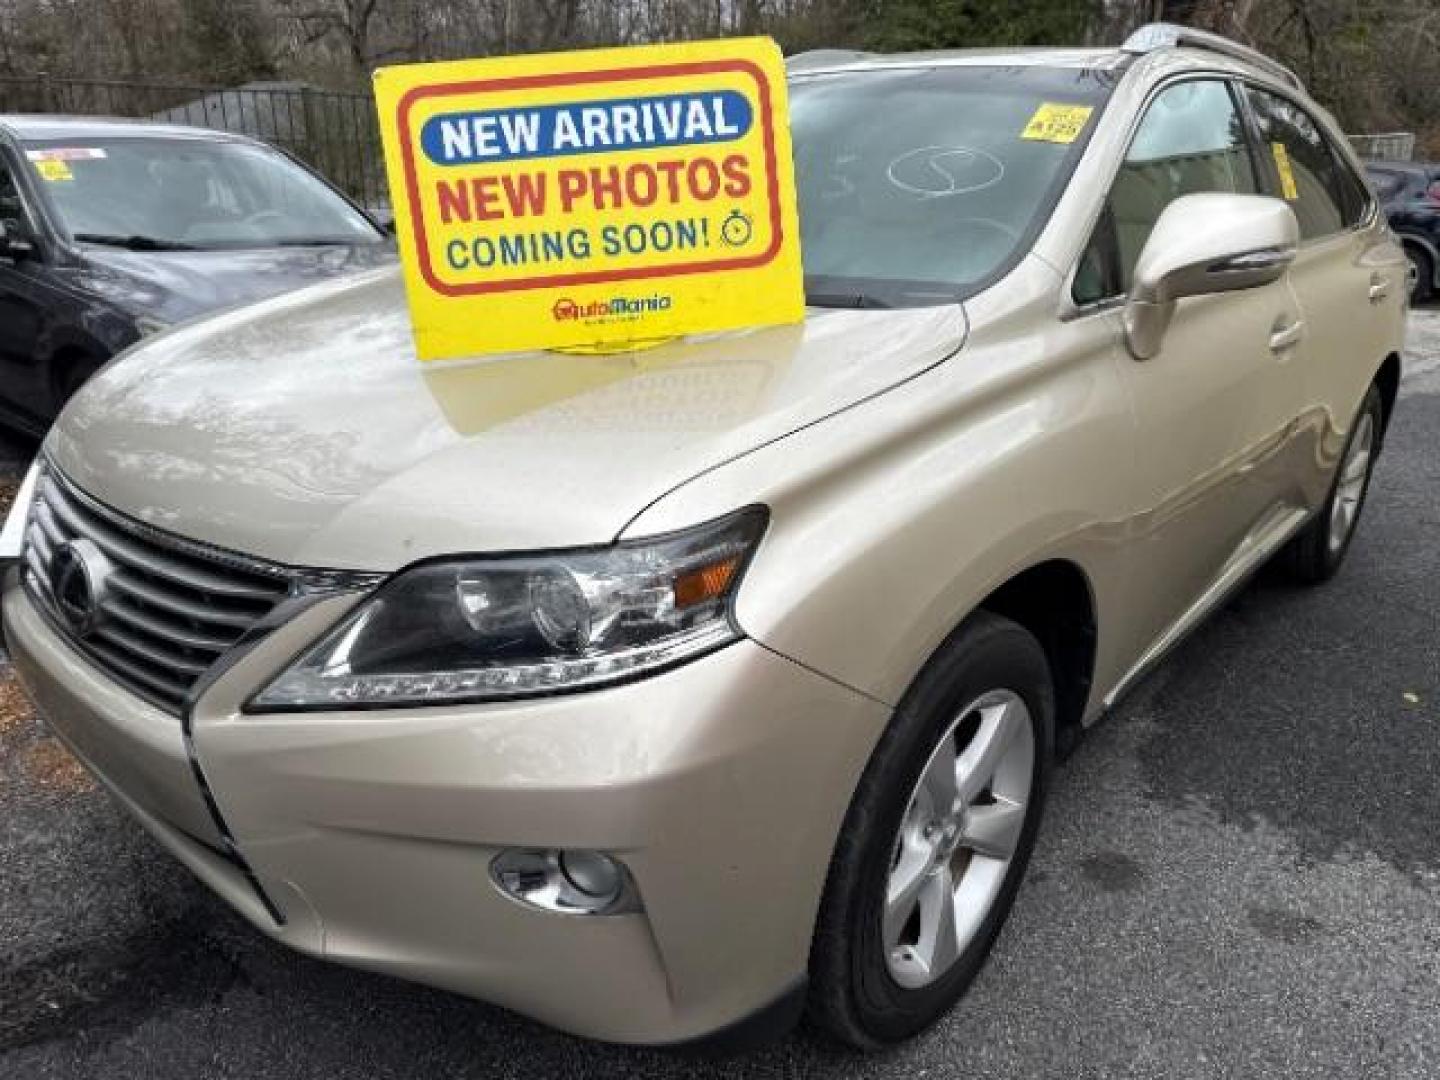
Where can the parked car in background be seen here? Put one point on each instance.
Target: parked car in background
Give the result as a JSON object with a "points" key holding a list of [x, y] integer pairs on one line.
{"points": [[1410, 193], [111, 230], [660, 695]]}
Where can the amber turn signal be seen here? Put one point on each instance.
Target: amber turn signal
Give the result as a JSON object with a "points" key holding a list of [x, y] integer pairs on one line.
{"points": [[706, 583]]}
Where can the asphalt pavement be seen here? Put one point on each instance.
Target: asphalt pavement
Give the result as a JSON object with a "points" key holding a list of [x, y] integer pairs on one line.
{"points": [[1239, 875]]}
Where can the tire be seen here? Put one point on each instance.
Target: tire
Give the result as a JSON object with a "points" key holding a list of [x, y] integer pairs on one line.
{"points": [[868, 984], [1424, 270], [1315, 554]]}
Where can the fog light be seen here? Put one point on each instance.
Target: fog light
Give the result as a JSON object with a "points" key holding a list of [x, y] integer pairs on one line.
{"points": [[566, 882], [592, 873]]}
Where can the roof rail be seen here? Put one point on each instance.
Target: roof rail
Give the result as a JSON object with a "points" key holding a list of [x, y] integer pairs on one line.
{"points": [[823, 58], [1163, 35]]}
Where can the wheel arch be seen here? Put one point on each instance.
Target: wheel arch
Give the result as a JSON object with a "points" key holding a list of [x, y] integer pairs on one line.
{"points": [[1387, 379], [1055, 601], [1419, 241]]}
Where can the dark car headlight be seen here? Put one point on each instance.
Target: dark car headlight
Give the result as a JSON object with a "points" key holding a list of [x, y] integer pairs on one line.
{"points": [[494, 628]]}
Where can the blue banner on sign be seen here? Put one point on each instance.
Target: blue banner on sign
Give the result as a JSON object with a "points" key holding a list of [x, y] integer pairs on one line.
{"points": [[470, 138]]}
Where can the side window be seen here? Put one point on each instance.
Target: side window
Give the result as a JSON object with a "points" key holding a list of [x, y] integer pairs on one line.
{"points": [[1310, 177], [11, 206], [1191, 141]]}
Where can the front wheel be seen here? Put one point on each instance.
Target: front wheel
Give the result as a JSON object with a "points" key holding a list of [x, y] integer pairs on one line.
{"points": [[937, 838], [1318, 550]]}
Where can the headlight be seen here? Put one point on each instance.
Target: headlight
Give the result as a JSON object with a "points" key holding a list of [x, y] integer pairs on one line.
{"points": [[486, 629]]}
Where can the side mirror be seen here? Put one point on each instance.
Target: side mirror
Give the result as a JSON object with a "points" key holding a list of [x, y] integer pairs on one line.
{"points": [[1206, 244], [16, 240]]}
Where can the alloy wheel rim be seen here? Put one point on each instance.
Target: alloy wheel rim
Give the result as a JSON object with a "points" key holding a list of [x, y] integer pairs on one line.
{"points": [[958, 837], [1350, 488]]}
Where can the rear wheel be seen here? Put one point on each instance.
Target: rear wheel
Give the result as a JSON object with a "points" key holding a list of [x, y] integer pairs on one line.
{"points": [[937, 838], [1318, 550], [1422, 270]]}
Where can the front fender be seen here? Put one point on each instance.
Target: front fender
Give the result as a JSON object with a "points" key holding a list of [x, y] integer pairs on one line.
{"points": [[893, 521]]}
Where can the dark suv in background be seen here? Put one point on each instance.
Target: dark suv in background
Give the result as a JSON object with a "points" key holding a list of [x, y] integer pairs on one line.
{"points": [[111, 230], [1410, 192]]}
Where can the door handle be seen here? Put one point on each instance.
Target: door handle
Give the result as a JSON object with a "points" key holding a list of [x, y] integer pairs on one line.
{"points": [[1286, 334], [1379, 288]]}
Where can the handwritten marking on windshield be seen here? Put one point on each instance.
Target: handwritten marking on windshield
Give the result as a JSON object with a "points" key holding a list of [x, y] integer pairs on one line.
{"points": [[942, 172]]}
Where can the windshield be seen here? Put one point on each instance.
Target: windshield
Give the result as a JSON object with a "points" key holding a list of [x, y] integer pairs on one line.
{"points": [[920, 186], [157, 193]]}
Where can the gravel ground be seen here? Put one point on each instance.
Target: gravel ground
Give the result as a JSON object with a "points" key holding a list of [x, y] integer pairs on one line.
{"points": [[1239, 875], [14, 455]]}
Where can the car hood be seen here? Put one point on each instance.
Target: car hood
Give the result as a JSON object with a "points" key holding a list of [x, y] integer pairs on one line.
{"points": [[304, 430], [178, 285]]}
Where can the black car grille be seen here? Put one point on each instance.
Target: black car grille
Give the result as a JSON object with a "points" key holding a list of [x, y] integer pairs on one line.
{"points": [[168, 608]]}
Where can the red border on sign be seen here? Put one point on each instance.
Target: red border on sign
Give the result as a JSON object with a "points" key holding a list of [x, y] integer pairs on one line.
{"points": [[412, 184]]}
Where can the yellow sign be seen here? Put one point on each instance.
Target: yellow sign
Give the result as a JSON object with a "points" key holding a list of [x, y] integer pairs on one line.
{"points": [[1057, 123], [593, 199], [54, 171], [1287, 173]]}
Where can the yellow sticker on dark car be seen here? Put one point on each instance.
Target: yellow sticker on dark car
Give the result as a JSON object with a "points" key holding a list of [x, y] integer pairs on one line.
{"points": [[54, 171], [1057, 123]]}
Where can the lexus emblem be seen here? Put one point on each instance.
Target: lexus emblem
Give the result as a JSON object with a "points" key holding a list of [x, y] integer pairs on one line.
{"points": [[79, 579]]}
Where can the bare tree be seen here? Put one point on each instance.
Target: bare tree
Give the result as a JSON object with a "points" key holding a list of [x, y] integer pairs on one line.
{"points": [[350, 22]]}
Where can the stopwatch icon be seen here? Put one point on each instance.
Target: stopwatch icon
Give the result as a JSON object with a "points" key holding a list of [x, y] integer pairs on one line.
{"points": [[736, 229]]}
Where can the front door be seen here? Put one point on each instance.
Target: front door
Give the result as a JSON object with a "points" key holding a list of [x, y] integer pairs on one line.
{"points": [[1218, 403]]}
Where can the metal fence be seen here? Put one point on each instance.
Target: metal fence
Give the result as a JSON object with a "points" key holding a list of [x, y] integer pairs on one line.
{"points": [[1391, 146], [334, 132]]}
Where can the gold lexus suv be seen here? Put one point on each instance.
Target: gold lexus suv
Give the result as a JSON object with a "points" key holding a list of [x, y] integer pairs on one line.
{"points": [[663, 696]]}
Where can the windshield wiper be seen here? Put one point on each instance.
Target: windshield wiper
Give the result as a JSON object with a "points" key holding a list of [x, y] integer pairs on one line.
{"points": [[134, 243], [857, 300], [324, 241]]}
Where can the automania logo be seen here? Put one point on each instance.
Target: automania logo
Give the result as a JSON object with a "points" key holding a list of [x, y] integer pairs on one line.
{"points": [[567, 310]]}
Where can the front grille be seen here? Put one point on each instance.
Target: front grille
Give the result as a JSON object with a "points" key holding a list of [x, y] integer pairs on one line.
{"points": [[167, 609]]}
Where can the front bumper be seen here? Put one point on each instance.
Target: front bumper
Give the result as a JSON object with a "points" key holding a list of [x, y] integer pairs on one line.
{"points": [[721, 785]]}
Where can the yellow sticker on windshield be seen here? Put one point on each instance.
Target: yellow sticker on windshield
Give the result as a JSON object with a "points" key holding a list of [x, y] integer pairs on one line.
{"points": [[1287, 174], [1057, 123], [55, 170]]}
